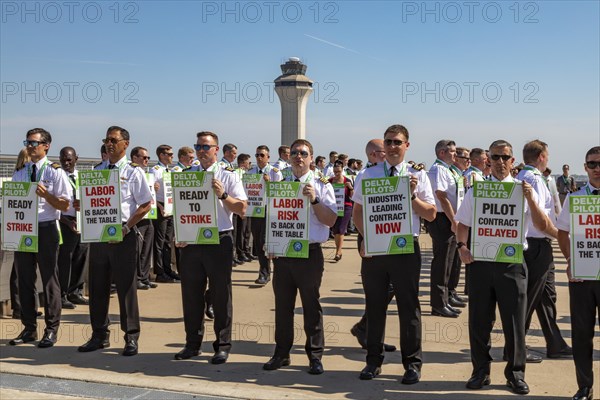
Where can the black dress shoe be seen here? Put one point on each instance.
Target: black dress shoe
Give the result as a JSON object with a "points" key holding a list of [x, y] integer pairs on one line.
{"points": [[244, 258], [48, 340], [66, 304], [251, 256], [16, 314], [164, 278], [462, 299], [187, 353], [142, 286], [585, 393], [369, 372], [175, 276], [411, 377], [131, 348], [360, 335], [261, 281], [78, 299], [479, 380], [220, 357], [24, 337], [567, 352], [443, 312], [315, 367], [519, 386], [237, 261], [94, 344], [389, 347], [454, 310], [454, 302], [152, 285], [276, 363], [210, 312], [533, 358]]}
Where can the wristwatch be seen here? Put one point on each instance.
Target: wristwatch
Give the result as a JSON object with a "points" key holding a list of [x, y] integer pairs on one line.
{"points": [[224, 196], [126, 230], [317, 200], [460, 244], [414, 196]]}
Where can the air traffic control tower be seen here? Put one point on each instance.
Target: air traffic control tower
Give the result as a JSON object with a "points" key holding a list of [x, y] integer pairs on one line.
{"points": [[293, 88]]}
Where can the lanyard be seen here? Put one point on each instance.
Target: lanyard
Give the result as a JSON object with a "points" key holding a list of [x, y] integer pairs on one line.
{"points": [[308, 179], [40, 172], [212, 168], [537, 172]]}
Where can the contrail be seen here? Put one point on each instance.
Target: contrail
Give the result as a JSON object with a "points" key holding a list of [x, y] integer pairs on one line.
{"points": [[341, 47]]}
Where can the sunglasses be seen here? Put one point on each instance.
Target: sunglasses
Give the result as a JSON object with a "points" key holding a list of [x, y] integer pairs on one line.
{"points": [[260, 155], [32, 143], [112, 141], [144, 157], [592, 164], [302, 153], [395, 142], [504, 157], [168, 154], [205, 147]]}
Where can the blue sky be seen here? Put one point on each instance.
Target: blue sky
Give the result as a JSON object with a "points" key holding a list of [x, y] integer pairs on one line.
{"points": [[470, 71]]}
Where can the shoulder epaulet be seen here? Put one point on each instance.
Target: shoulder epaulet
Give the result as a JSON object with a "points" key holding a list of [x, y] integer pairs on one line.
{"points": [[324, 179], [372, 165], [229, 169], [55, 165], [99, 164], [415, 166], [186, 168], [134, 164], [275, 169], [156, 167]]}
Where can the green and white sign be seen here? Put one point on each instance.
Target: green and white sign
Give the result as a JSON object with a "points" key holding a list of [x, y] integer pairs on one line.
{"points": [[340, 194], [287, 220], [254, 185], [153, 209], [100, 201], [387, 216], [585, 237], [19, 216], [497, 231], [194, 208], [167, 194]]}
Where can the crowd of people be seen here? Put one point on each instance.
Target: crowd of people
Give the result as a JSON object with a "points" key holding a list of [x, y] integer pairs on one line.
{"points": [[441, 198]]}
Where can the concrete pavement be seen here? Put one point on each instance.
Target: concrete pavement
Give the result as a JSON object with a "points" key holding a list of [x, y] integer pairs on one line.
{"points": [[445, 343]]}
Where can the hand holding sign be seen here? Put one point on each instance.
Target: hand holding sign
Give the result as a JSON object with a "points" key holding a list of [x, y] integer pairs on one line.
{"points": [[77, 205], [309, 191], [41, 191], [217, 186], [414, 181], [465, 255]]}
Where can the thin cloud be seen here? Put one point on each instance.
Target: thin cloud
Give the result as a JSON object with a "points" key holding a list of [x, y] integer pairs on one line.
{"points": [[339, 46]]}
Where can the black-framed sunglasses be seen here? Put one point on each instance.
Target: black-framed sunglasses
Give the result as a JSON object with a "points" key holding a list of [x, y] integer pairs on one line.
{"points": [[168, 154], [395, 142], [504, 157], [302, 153], [257, 155], [205, 147], [32, 143], [112, 141], [592, 164], [145, 157]]}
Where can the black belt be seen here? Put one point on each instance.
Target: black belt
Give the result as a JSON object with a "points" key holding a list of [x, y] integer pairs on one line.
{"points": [[69, 217], [222, 234], [545, 239], [46, 224], [314, 246]]}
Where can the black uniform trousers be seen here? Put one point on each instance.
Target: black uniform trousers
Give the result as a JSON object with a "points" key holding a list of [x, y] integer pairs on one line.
{"points": [[114, 262], [145, 247], [403, 272], [201, 263], [163, 237], [258, 226], [541, 292], [504, 284], [584, 301], [444, 249], [292, 276], [362, 323], [242, 239], [72, 255], [454, 277], [26, 264]]}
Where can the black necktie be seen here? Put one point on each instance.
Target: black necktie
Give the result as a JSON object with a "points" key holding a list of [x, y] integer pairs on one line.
{"points": [[73, 179], [111, 166], [260, 171], [33, 173], [393, 171], [595, 192], [296, 180]]}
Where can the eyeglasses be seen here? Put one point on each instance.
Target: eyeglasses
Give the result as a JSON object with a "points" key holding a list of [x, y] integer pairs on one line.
{"points": [[592, 164], [463, 158], [395, 142], [168, 154], [32, 143], [257, 155], [205, 147], [504, 157], [112, 141], [302, 153], [145, 157]]}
